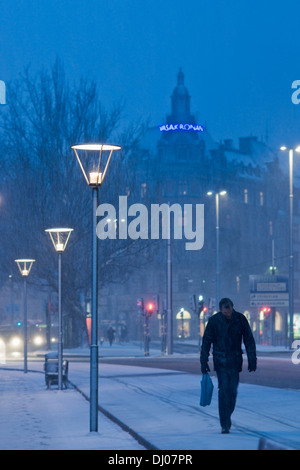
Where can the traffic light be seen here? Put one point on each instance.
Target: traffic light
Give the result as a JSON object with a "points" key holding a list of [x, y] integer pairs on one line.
{"points": [[140, 306], [156, 303], [193, 302], [150, 308], [266, 310], [200, 303], [19, 323]]}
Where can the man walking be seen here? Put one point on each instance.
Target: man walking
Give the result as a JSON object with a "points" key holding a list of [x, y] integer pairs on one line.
{"points": [[225, 331]]}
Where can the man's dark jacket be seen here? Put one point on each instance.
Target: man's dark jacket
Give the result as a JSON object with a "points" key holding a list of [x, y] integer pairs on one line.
{"points": [[226, 337]]}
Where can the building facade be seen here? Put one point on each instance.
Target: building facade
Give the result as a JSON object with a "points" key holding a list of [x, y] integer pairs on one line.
{"points": [[178, 162]]}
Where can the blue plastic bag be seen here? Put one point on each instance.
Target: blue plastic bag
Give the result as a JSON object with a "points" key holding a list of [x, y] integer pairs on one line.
{"points": [[206, 391]]}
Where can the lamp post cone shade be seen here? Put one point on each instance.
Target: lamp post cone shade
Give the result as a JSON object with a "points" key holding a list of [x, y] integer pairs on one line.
{"points": [[94, 160], [24, 265], [59, 237]]}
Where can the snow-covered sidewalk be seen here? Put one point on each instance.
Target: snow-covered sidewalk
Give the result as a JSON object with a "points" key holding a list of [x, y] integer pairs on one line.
{"points": [[160, 405], [34, 418]]}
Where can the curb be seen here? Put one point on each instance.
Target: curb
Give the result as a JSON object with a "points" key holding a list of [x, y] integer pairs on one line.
{"points": [[267, 444], [141, 440]]}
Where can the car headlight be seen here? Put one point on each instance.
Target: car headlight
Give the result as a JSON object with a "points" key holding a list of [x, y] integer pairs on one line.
{"points": [[38, 340], [15, 341]]}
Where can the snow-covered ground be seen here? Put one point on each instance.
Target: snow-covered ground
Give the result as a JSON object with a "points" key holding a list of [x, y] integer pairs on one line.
{"points": [[162, 406]]}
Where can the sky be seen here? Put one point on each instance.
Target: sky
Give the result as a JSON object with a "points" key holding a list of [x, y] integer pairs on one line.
{"points": [[239, 57]]}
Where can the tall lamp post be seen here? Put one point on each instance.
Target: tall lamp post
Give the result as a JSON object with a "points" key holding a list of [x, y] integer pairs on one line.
{"points": [[169, 300], [25, 266], [217, 197], [94, 160], [59, 238], [291, 249]]}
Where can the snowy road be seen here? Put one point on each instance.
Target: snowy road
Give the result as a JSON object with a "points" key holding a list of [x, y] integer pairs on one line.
{"points": [[163, 407]]}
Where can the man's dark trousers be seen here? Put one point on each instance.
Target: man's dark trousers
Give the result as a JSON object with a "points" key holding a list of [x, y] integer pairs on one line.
{"points": [[228, 381]]}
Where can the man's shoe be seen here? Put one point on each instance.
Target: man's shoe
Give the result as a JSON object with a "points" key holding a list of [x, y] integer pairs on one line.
{"points": [[225, 431]]}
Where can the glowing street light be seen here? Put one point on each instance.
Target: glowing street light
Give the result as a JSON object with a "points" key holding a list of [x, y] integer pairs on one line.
{"points": [[59, 238], [25, 266], [291, 249], [93, 160]]}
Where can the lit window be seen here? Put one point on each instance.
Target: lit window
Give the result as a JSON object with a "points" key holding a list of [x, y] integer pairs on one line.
{"points": [[143, 189], [238, 280], [261, 198], [271, 227]]}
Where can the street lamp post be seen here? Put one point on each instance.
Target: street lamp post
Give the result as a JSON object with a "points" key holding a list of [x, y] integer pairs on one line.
{"points": [[169, 299], [291, 249], [59, 238], [25, 266], [94, 160], [217, 197]]}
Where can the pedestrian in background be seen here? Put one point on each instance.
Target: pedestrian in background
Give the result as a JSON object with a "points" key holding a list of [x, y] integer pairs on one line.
{"points": [[225, 331], [111, 335]]}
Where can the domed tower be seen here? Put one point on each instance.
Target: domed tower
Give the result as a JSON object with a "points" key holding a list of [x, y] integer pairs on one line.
{"points": [[180, 100]]}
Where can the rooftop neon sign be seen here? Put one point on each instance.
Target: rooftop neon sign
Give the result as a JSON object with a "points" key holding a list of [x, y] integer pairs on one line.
{"points": [[181, 127]]}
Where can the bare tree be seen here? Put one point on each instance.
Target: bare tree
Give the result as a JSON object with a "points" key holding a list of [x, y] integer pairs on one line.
{"points": [[42, 185]]}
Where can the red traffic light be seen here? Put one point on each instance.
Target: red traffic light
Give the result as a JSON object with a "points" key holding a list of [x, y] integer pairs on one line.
{"points": [[150, 308], [266, 310]]}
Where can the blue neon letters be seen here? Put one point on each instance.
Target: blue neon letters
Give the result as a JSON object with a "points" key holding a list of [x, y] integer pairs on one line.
{"points": [[181, 127]]}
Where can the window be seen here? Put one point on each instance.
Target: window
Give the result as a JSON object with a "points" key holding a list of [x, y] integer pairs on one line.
{"points": [[182, 152], [261, 198], [246, 197], [183, 188], [238, 282], [170, 188], [271, 228]]}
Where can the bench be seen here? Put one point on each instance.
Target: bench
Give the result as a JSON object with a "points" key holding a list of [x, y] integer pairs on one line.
{"points": [[51, 370]]}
